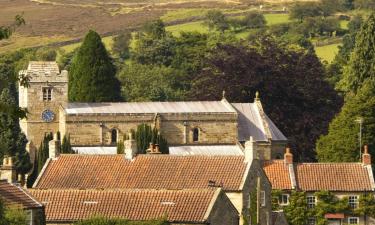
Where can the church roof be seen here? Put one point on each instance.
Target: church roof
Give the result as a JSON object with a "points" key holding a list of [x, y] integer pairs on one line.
{"points": [[150, 107], [43, 66], [144, 172], [186, 150], [132, 204], [253, 122]]}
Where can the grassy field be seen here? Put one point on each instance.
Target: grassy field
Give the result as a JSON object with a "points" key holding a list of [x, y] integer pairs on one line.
{"points": [[327, 52]]}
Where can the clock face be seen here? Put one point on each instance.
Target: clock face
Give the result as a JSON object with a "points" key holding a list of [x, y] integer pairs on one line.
{"points": [[48, 115]]}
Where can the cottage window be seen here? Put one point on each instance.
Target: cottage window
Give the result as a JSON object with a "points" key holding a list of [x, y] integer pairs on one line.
{"points": [[353, 220], [284, 199], [353, 201], [114, 136], [195, 134], [262, 198], [311, 221], [47, 93], [311, 202]]}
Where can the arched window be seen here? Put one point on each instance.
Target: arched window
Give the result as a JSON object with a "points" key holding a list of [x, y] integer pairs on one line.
{"points": [[114, 136], [195, 134]]}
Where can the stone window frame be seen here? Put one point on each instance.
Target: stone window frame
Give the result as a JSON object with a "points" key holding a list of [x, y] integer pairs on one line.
{"points": [[111, 135], [47, 97], [198, 130], [262, 198]]}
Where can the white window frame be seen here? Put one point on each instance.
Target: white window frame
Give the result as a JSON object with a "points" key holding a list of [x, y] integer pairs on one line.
{"points": [[356, 218], [353, 201], [311, 221], [282, 198], [47, 94], [311, 204], [262, 198]]}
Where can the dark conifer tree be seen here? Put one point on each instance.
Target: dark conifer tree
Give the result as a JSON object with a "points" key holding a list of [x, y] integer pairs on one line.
{"points": [[92, 73]]}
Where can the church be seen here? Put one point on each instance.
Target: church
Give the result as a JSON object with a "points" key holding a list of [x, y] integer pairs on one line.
{"points": [[98, 127]]}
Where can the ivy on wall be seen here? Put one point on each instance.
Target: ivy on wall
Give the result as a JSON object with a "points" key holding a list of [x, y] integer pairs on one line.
{"points": [[297, 211]]}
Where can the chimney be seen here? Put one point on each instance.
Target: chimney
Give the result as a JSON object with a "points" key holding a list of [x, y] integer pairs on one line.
{"points": [[8, 170], [288, 156], [250, 150], [130, 147], [366, 157], [54, 147]]}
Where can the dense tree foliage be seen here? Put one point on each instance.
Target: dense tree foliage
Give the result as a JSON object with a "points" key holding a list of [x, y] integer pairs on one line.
{"points": [[291, 83], [121, 44], [66, 147], [335, 69], [341, 143], [216, 20], [361, 65], [12, 140], [92, 73], [146, 135], [43, 151]]}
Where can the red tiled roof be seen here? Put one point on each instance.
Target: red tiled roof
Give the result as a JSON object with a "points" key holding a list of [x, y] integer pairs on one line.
{"points": [[15, 195], [145, 171], [333, 177], [177, 205], [278, 174]]}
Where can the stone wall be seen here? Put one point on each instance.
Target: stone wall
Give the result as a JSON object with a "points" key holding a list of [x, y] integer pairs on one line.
{"points": [[223, 212], [34, 127], [96, 129]]}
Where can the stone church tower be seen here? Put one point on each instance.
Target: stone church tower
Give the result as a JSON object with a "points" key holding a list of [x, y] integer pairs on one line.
{"points": [[47, 90]]}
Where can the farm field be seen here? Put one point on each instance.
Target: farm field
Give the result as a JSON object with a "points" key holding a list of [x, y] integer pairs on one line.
{"points": [[327, 52]]}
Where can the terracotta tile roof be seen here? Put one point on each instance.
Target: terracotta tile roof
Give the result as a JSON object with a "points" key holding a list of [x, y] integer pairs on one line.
{"points": [[278, 174], [333, 177], [145, 171], [15, 195], [177, 205]]}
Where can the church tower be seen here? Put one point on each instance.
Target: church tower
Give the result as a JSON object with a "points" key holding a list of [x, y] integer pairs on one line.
{"points": [[47, 90]]}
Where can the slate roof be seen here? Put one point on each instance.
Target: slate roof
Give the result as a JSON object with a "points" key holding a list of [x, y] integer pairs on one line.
{"points": [[149, 107], [351, 177], [333, 177], [144, 171], [13, 194], [251, 123], [185, 150], [177, 205], [278, 174], [43, 67]]}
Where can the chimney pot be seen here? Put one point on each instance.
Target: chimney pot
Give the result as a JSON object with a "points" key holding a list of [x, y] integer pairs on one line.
{"points": [[366, 157], [288, 156]]}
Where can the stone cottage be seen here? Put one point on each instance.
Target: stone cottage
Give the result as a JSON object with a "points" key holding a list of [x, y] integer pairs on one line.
{"points": [[342, 179]]}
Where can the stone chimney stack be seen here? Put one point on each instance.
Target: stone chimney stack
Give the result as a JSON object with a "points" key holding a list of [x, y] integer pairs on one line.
{"points": [[54, 147], [8, 170], [130, 148], [366, 157], [153, 149], [288, 156], [250, 150]]}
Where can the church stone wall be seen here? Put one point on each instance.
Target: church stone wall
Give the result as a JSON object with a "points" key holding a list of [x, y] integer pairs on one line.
{"points": [[93, 129], [34, 127]]}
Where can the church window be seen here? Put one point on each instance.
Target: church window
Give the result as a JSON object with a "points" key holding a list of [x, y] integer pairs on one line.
{"points": [[195, 134], [114, 136], [47, 94]]}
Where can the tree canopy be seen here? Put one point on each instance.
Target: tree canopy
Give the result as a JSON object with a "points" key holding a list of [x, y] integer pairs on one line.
{"points": [[362, 61], [92, 73], [290, 81], [341, 144]]}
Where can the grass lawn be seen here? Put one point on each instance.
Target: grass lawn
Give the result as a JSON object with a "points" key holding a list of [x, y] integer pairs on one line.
{"points": [[17, 42], [327, 52], [188, 27], [106, 40], [273, 19]]}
